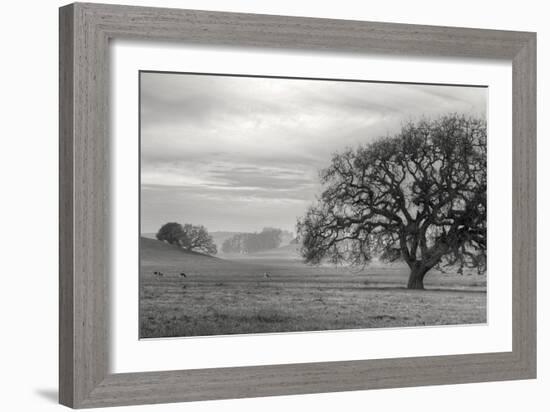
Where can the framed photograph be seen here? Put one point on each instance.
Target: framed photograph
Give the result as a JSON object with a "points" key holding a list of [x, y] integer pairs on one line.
{"points": [[256, 205]]}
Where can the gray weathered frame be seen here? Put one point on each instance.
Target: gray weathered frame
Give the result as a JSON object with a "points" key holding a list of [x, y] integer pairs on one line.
{"points": [[85, 31]]}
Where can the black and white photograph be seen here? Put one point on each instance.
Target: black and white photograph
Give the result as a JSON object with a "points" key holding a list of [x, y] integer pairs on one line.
{"points": [[291, 205], [275, 206]]}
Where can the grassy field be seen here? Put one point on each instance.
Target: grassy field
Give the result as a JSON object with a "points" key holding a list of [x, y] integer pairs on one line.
{"points": [[229, 295]]}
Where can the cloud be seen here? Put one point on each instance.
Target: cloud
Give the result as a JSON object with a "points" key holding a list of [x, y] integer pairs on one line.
{"points": [[211, 139]]}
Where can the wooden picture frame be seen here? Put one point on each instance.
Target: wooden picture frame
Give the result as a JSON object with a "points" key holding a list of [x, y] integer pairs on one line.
{"points": [[85, 31]]}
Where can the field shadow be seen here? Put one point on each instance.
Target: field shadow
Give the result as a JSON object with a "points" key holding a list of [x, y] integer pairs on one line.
{"points": [[426, 289], [51, 395], [456, 290]]}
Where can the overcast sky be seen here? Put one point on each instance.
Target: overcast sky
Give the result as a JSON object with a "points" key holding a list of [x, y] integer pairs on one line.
{"points": [[241, 153]]}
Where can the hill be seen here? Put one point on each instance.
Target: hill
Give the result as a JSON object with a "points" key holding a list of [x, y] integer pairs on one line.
{"points": [[172, 260], [149, 235], [156, 253]]}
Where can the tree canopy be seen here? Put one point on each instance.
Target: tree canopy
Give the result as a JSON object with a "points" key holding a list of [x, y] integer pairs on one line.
{"points": [[419, 196], [188, 237]]}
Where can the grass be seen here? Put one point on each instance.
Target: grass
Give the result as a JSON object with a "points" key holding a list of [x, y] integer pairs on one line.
{"points": [[231, 296]]}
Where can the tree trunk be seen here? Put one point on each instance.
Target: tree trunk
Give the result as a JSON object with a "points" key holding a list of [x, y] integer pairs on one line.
{"points": [[416, 278]]}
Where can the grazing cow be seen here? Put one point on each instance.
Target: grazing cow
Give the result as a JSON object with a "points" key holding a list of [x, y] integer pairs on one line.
{"points": [[183, 274], [267, 275], [159, 273]]}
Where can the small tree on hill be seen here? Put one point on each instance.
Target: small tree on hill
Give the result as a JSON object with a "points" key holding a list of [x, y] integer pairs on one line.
{"points": [[419, 196], [188, 237], [170, 232], [196, 238]]}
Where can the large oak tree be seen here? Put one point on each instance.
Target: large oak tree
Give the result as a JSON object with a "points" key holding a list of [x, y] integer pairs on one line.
{"points": [[419, 196]]}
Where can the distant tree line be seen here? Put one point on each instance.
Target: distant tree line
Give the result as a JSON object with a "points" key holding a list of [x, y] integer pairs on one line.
{"points": [[268, 238], [287, 237], [189, 237]]}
